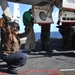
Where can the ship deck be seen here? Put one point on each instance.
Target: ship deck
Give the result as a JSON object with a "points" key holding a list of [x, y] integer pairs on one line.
{"points": [[62, 62]]}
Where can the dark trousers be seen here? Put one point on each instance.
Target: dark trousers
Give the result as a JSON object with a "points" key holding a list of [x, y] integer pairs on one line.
{"points": [[16, 59]]}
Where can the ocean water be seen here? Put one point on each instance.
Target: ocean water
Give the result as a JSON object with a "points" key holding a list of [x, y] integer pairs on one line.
{"points": [[52, 35], [55, 35]]}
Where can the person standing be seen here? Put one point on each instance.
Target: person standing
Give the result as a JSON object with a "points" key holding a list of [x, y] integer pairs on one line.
{"points": [[28, 21], [66, 31]]}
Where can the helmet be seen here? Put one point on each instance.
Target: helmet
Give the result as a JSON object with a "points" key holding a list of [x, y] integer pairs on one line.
{"points": [[14, 26]]}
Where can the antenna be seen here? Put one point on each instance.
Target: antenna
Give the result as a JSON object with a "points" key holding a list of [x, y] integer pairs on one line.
{"points": [[16, 13]]}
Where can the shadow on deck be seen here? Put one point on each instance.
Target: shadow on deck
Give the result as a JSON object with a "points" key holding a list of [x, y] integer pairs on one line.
{"points": [[55, 43]]}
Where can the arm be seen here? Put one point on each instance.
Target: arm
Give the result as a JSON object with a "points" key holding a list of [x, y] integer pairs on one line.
{"points": [[25, 33], [1, 22], [8, 33]]}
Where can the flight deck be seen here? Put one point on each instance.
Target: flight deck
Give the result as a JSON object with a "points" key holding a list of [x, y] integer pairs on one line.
{"points": [[40, 63]]}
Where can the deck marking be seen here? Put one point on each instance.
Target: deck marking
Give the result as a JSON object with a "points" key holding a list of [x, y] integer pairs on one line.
{"points": [[3, 73], [39, 71], [55, 51], [67, 70]]}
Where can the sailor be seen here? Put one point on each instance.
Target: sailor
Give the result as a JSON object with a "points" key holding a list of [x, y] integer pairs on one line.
{"points": [[45, 38], [11, 48], [65, 30], [28, 21], [71, 41]]}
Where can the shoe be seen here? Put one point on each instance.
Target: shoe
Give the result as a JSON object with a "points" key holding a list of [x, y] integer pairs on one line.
{"points": [[12, 71], [27, 51]]}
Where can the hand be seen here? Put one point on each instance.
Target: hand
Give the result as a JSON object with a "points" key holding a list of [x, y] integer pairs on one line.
{"points": [[1, 22]]}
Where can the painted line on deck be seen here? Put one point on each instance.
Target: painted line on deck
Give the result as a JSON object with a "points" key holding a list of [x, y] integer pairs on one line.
{"points": [[39, 71], [3, 73], [52, 72], [67, 70], [55, 51]]}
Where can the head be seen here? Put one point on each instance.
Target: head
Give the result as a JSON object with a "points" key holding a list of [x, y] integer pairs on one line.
{"points": [[30, 10], [14, 27]]}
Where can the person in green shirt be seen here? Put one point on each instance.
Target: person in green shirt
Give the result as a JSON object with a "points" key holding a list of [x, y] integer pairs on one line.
{"points": [[28, 21]]}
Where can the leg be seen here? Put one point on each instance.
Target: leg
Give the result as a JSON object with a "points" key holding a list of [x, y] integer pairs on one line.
{"points": [[45, 38], [42, 38], [13, 62], [33, 39], [28, 41]]}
